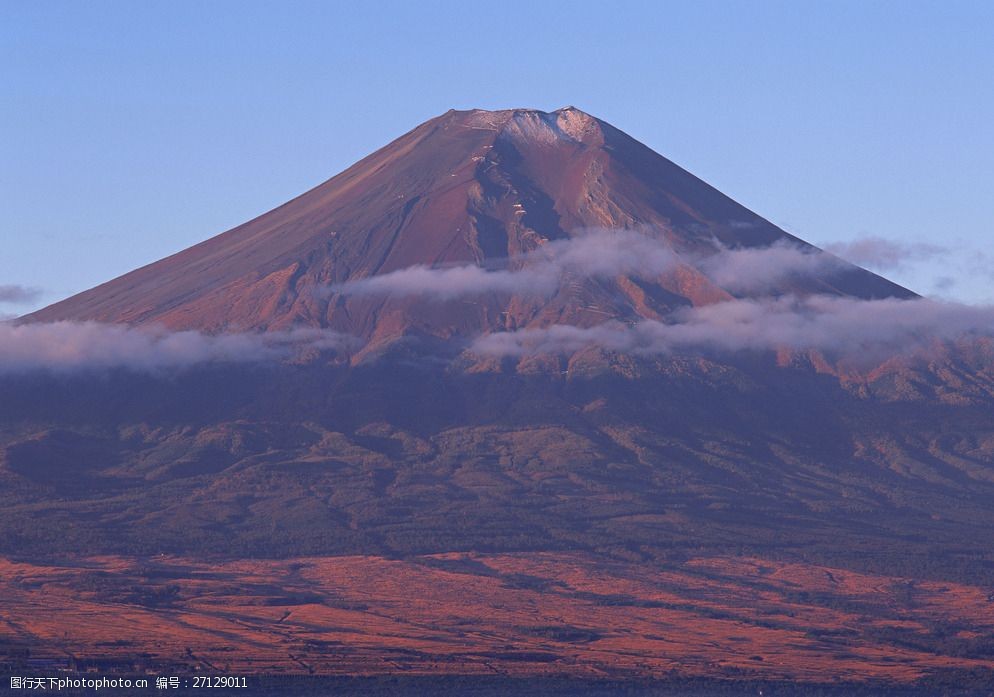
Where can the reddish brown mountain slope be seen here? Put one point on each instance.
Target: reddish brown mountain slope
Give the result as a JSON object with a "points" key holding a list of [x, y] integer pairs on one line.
{"points": [[465, 187]]}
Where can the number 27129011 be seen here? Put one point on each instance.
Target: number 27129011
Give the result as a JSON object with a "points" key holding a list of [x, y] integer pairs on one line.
{"points": [[219, 681]]}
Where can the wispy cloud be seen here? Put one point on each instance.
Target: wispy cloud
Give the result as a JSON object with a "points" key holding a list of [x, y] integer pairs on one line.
{"points": [[761, 269], [452, 282], [842, 326], [604, 254], [596, 254], [68, 346], [883, 254], [17, 294]]}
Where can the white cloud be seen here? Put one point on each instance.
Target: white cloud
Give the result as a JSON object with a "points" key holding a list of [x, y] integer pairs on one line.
{"points": [[603, 254], [65, 346], [597, 254], [880, 253], [842, 326], [760, 269]]}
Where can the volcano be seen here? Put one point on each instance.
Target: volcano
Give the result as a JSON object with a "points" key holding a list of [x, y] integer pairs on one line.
{"points": [[468, 187], [415, 505]]}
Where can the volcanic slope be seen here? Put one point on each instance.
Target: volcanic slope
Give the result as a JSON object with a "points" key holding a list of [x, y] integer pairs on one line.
{"points": [[468, 187]]}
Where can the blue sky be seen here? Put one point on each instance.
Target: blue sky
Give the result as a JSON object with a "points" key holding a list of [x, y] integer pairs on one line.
{"points": [[134, 129]]}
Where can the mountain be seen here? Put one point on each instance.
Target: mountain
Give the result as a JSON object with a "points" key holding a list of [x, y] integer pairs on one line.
{"points": [[763, 513], [468, 187]]}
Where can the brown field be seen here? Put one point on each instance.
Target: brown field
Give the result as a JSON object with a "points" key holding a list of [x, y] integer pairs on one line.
{"points": [[510, 614]]}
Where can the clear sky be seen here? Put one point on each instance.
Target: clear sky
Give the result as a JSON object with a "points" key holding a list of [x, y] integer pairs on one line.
{"points": [[130, 130]]}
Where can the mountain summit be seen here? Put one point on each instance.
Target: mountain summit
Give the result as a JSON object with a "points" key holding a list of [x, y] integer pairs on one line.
{"points": [[467, 188]]}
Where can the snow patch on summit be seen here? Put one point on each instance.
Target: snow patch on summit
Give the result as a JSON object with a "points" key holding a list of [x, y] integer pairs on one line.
{"points": [[489, 120], [575, 123], [534, 127]]}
